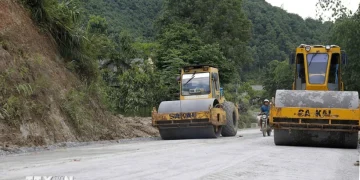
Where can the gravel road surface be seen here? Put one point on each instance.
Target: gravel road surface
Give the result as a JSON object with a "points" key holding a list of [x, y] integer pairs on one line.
{"points": [[250, 156]]}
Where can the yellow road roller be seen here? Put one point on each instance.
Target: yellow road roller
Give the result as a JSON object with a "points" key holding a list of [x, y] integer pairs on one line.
{"points": [[317, 111], [201, 112]]}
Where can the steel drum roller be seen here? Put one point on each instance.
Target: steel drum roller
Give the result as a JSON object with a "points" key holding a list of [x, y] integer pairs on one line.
{"points": [[316, 99], [183, 106]]}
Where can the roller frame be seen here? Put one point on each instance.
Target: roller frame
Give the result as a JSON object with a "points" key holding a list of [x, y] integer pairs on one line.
{"points": [[188, 119], [299, 106]]}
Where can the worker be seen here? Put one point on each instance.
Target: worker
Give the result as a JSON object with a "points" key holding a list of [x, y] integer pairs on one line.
{"points": [[264, 108]]}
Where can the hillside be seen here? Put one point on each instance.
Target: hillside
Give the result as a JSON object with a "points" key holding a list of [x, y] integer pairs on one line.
{"points": [[52, 88], [136, 16], [43, 102], [275, 32]]}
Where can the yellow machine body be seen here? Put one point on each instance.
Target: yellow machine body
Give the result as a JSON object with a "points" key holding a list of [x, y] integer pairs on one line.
{"points": [[317, 111], [201, 112]]}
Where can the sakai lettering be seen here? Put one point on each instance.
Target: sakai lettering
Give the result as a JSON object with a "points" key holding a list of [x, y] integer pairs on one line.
{"points": [[182, 115], [316, 113]]}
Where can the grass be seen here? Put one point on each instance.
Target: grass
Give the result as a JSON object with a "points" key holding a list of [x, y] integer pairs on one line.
{"points": [[21, 89], [74, 105]]}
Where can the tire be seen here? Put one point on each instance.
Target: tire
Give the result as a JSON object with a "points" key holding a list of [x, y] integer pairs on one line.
{"points": [[264, 133], [218, 132], [269, 132], [232, 116]]}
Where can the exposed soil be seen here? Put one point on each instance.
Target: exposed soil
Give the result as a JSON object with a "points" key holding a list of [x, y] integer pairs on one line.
{"points": [[30, 61]]}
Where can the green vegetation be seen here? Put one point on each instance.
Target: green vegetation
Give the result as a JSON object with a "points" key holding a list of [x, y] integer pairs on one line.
{"points": [[136, 16], [343, 34], [61, 20], [276, 33], [278, 75], [249, 40], [21, 86]]}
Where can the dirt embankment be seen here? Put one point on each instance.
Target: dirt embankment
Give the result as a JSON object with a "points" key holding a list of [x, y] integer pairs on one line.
{"points": [[41, 101]]}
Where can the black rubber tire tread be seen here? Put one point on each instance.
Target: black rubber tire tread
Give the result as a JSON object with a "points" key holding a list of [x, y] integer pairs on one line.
{"points": [[348, 140], [230, 129], [269, 132]]}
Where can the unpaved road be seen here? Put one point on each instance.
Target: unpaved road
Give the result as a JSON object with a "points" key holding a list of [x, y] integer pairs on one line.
{"points": [[248, 157]]}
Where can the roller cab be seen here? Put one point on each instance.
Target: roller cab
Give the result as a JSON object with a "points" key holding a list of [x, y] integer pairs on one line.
{"points": [[201, 112], [317, 111]]}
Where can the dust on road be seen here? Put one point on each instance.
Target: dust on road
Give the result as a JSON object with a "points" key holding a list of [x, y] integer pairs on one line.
{"points": [[248, 157]]}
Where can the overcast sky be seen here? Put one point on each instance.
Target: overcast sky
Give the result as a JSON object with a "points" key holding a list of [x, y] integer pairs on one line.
{"points": [[307, 8]]}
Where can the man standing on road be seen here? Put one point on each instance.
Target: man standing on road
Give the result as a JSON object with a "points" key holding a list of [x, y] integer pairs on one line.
{"points": [[264, 108]]}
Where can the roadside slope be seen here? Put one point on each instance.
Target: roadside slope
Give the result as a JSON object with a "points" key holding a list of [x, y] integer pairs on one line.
{"points": [[41, 101]]}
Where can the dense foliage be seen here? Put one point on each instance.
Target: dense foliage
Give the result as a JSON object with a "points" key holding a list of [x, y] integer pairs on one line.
{"points": [[346, 34], [195, 33], [249, 40], [278, 75], [136, 16], [276, 33], [62, 21]]}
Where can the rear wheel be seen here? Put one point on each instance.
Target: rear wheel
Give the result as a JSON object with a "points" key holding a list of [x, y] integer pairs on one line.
{"points": [[232, 116]]}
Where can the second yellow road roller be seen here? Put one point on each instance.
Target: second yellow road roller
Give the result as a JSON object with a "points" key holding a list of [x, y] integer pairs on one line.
{"points": [[201, 112]]}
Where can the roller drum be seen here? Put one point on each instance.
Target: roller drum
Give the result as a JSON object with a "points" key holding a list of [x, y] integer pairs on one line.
{"points": [[333, 139], [186, 106], [190, 132], [317, 99]]}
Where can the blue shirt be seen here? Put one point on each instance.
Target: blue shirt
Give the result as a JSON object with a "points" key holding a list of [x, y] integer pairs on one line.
{"points": [[265, 109]]}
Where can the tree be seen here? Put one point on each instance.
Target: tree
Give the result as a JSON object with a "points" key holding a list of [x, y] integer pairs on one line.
{"points": [[335, 7], [97, 25], [204, 31], [278, 75], [346, 34], [139, 87]]}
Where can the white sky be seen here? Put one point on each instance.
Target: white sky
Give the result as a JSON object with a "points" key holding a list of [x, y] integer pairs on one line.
{"points": [[307, 8]]}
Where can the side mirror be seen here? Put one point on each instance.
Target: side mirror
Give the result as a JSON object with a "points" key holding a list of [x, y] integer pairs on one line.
{"points": [[344, 60], [292, 58], [221, 91], [214, 76]]}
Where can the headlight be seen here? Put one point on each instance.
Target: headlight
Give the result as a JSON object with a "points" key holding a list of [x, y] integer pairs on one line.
{"points": [[327, 47], [264, 116]]}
